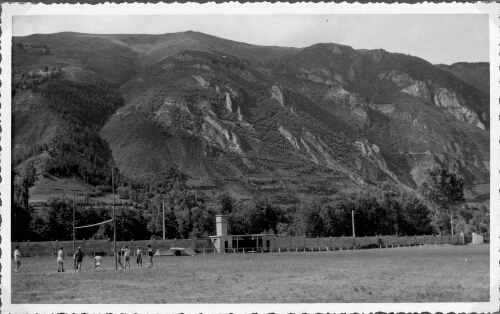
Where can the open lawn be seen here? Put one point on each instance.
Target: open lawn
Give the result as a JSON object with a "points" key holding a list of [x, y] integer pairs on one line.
{"points": [[430, 274]]}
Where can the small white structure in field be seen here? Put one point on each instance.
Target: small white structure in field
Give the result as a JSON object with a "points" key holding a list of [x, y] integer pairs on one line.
{"points": [[219, 241], [238, 243], [477, 239]]}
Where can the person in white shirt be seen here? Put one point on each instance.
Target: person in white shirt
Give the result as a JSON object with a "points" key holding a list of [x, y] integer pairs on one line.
{"points": [[97, 260], [126, 256], [17, 258], [60, 260], [139, 257]]}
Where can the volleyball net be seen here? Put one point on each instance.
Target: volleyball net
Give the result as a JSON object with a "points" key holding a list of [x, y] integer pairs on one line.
{"points": [[93, 225]]}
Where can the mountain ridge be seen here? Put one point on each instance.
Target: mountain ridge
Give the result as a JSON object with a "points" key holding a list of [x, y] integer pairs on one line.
{"points": [[252, 119]]}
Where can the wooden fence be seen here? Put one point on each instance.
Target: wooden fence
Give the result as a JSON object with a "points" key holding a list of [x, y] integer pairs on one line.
{"points": [[277, 244], [338, 243]]}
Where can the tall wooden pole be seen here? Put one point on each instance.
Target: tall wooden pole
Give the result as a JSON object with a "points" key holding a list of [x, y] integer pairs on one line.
{"points": [[163, 204], [74, 214], [451, 223], [114, 217], [353, 231]]}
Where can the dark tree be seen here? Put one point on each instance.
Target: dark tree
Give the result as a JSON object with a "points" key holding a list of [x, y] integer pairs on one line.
{"points": [[20, 209], [225, 203], [445, 190]]}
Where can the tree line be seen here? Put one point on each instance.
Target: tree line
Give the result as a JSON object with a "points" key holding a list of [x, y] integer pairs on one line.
{"points": [[191, 214]]}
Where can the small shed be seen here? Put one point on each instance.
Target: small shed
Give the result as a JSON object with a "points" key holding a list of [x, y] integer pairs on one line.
{"points": [[239, 243]]}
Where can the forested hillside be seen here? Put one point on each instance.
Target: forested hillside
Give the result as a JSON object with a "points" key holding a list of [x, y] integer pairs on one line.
{"points": [[292, 138]]}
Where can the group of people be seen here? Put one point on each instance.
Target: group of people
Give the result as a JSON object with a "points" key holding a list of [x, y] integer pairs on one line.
{"points": [[126, 252], [78, 258]]}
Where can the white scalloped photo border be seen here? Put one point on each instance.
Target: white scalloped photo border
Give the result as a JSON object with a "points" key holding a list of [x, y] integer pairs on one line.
{"points": [[15, 9]]}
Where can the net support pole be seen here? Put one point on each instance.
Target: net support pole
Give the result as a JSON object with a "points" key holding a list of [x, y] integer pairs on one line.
{"points": [[451, 223], [74, 214], [353, 231], [163, 206], [114, 218]]}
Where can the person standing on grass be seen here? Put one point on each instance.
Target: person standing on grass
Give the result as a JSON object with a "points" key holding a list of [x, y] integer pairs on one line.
{"points": [[120, 253], [126, 256], [150, 256], [17, 258], [78, 259], [139, 256], [60, 260], [97, 260]]}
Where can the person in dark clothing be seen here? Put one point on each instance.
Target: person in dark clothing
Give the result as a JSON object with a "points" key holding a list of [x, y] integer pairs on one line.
{"points": [[78, 259], [150, 256]]}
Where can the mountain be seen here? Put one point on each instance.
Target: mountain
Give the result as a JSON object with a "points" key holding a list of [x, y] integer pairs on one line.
{"points": [[253, 120], [476, 74]]}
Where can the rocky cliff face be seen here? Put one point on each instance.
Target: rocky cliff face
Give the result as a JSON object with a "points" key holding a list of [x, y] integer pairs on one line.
{"points": [[455, 106], [324, 119]]}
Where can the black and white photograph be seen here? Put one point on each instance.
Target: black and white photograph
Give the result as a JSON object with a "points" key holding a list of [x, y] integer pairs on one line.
{"points": [[297, 160]]}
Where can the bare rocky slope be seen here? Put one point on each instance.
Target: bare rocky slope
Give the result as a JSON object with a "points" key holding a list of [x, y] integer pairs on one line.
{"points": [[273, 121]]}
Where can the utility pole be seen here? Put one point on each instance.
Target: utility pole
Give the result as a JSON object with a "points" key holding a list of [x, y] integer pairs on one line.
{"points": [[451, 223], [353, 231], [114, 217], [163, 204], [74, 214]]}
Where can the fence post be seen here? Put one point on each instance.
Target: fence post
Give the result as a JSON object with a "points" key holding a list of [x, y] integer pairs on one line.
{"points": [[304, 243]]}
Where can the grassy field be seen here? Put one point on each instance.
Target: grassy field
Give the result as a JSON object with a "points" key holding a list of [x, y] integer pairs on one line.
{"points": [[436, 274]]}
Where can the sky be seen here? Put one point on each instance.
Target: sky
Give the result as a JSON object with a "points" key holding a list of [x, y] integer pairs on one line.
{"points": [[436, 38]]}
